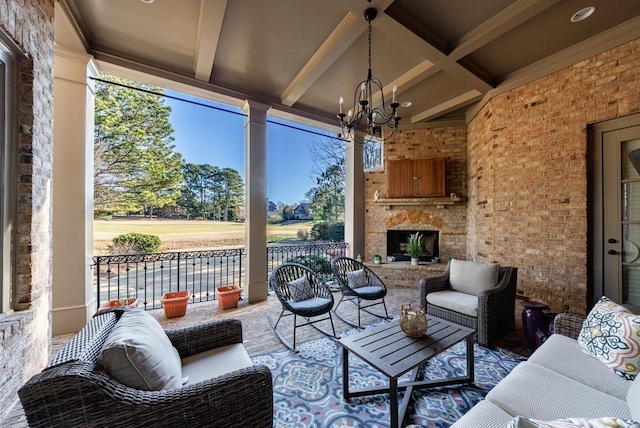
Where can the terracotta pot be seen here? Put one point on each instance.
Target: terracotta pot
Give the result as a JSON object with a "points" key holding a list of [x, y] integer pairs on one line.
{"points": [[175, 303], [115, 303], [228, 297]]}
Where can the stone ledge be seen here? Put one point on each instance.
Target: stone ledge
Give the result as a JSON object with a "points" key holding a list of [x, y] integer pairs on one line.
{"points": [[14, 324]]}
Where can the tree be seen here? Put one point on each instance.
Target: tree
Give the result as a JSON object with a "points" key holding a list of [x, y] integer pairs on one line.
{"points": [[211, 192], [327, 196], [232, 194], [135, 166]]}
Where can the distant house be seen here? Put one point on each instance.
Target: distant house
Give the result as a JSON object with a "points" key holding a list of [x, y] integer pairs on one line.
{"points": [[302, 212], [271, 208]]}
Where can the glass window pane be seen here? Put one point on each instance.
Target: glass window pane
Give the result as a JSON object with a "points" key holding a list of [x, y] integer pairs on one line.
{"points": [[631, 285], [630, 159], [630, 244], [631, 201]]}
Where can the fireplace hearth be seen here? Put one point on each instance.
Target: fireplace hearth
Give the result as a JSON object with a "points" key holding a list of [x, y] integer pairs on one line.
{"points": [[397, 244]]}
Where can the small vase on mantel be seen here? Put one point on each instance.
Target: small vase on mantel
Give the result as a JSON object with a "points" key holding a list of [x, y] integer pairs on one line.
{"points": [[414, 261]]}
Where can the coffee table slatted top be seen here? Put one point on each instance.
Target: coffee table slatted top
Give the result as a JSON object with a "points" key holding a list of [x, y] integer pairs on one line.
{"points": [[388, 349]]}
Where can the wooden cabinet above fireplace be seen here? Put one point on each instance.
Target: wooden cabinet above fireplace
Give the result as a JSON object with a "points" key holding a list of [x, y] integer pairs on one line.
{"points": [[416, 178]]}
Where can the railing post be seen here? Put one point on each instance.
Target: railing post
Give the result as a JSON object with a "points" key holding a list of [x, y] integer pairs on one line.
{"points": [[97, 265]]}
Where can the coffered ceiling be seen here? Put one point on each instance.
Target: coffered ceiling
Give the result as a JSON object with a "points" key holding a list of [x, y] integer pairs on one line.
{"points": [[446, 57]]}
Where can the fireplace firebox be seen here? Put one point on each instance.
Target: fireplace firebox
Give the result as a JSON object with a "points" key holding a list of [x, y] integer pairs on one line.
{"points": [[397, 244]]}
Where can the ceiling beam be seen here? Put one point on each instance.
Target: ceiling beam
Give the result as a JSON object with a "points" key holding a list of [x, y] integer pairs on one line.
{"points": [[408, 79], [506, 20], [448, 106], [210, 22], [343, 36]]}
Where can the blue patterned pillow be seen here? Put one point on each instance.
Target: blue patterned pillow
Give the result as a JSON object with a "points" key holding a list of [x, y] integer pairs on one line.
{"points": [[300, 289], [357, 278], [611, 333], [522, 422]]}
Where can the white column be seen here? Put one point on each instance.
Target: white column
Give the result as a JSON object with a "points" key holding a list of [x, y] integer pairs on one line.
{"points": [[354, 196], [255, 231], [73, 297]]}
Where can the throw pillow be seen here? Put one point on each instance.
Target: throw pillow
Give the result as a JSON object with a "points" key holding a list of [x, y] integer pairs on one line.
{"points": [[611, 333], [138, 354], [633, 399], [300, 289], [357, 278], [522, 422], [472, 277]]}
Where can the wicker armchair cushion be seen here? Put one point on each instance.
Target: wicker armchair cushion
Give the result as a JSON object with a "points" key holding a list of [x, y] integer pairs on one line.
{"points": [[633, 399], [138, 353], [472, 277], [215, 362], [455, 301], [300, 289]]}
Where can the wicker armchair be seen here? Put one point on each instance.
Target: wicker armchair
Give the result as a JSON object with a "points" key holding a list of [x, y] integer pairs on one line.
{"points": [[318, 302], [496, 306], [72, 391], [371, 293]]}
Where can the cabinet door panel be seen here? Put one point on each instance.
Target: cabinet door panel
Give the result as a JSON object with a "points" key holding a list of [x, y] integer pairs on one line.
{"points": [[400, 179], [430, 182]]}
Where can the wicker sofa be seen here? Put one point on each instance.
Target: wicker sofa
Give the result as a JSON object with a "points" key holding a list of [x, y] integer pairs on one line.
{"points": [[490, 311], [558, 381], [74, 390]]}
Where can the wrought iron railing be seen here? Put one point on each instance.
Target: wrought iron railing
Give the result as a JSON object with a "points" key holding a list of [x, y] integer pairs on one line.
{"points": [[148, 276]]}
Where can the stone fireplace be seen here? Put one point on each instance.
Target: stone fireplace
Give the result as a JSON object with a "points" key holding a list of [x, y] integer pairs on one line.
{"points": [[397, 244]]}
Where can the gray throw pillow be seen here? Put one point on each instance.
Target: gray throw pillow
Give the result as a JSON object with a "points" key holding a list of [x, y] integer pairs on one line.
{"points": [[300, 289], [357, 278], [138, 354]]}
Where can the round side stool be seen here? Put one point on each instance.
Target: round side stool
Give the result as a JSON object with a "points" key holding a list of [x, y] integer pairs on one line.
{"points": [[534, 319]]}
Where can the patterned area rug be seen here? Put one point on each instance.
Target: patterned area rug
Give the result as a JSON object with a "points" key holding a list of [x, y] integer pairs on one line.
{"points": [[308, 387]]}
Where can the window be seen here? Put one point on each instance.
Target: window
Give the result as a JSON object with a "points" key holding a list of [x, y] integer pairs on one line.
{"points": [[8, 166]]}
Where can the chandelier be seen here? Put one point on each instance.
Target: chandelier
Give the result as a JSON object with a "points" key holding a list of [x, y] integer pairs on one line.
{"points": [[364, 116]]}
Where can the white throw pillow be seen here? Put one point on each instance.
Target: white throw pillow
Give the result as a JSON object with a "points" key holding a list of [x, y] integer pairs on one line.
{"points": [[472, 277], [138, 354], [300, 289], [611, 333]]}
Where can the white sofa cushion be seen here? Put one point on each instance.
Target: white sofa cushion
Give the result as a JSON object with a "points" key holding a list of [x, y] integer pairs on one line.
{"points": [[611, 333], [633, 399], [539, 393], [138, 353], [215, 362], [483, 415], [463, 303], [472, 277], [608, 422], [563, 355]]}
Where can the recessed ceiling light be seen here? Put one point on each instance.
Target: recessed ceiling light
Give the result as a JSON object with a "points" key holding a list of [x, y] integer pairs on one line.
{"points": [[147, 1], [406, 104], [583, 14]]}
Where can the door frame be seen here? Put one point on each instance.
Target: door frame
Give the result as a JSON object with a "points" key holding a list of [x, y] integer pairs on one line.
{"points": [[595, 201]]}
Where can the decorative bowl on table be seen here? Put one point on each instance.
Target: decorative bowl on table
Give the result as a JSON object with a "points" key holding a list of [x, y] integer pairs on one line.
{"points": [[413, 321]]}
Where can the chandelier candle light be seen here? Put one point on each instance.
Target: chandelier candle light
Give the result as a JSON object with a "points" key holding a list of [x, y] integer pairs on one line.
{"points": [[367, 117]]}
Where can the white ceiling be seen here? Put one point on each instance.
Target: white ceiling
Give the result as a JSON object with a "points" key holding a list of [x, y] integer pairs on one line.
{"points": [[446, 57]]}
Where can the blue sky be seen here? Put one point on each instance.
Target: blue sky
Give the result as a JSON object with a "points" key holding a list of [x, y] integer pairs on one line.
{"points": [[205, 135]]}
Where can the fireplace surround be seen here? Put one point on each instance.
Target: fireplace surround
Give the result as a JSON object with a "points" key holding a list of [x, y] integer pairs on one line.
{"points": [[397, 244]]}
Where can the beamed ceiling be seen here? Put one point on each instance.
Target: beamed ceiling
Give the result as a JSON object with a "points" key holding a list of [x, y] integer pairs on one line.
{"points": [[446, 57]]}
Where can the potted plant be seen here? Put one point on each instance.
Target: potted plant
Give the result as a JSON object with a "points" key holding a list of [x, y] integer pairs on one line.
{"points": [[414, 247], [377, 259]]}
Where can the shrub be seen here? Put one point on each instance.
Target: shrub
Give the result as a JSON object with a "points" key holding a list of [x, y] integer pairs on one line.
{"points": [[319, 264], [274, 219], [135, 243], [328, 231], [303, 234]]}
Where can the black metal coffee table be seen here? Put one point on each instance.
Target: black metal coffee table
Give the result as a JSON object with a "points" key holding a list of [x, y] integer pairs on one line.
{"points": [[390, 351]]}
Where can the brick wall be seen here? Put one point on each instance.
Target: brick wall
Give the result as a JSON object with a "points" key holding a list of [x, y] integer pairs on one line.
{"points": [[25, 335], [527, 152], [446, 142]]}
